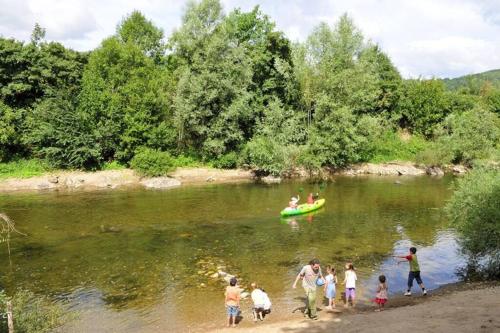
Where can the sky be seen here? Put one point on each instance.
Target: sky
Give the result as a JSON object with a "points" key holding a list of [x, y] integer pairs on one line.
{"points": [[424, 38]]}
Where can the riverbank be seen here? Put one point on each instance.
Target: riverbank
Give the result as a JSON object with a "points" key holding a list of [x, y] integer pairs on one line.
{"points": [[111, 179], [461, 307]]}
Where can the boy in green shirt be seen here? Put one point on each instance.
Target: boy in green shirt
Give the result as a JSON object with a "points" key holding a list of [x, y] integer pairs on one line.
{"points": [[414, 271]]}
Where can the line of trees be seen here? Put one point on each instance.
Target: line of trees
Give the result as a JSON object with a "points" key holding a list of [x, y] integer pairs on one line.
{"points": [[232, 90]]}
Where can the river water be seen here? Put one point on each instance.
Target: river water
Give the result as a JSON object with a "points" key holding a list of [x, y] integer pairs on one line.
{"points": [[140, 261]]}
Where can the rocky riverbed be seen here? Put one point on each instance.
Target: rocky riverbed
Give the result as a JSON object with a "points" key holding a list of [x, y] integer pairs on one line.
{"points": [[111, 179]]}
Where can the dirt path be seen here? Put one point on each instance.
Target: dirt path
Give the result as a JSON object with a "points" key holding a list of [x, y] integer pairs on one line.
{"points": [[456, 308]]}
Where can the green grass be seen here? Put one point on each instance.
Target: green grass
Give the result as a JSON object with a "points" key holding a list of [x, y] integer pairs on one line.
{"points": [[23, 168], [113, 165], [189, 162], [390, 147]]}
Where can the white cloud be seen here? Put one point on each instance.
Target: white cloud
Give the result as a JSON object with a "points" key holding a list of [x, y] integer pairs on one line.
{"points": [[443, 38]]}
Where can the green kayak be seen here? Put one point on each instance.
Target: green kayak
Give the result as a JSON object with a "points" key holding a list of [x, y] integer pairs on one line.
{"points": [[304, 208]]}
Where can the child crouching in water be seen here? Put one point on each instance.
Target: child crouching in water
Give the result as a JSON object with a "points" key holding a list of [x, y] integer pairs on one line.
{"points": [[381, 297], [232, 302], [331, 280]]}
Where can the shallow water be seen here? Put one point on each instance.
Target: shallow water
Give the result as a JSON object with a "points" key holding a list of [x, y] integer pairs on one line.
{"points": [[136, 260]]}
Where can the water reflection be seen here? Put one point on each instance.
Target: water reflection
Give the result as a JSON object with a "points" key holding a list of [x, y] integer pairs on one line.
{"points": [[145, 259]]}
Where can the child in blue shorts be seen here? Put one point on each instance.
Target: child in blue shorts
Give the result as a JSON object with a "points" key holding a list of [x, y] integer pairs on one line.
{"points": [[232, 301]]}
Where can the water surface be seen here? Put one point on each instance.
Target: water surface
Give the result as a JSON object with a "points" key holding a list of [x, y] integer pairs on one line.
{"points": [[141, 260]]}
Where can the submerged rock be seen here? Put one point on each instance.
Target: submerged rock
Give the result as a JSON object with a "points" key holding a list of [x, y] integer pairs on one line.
{"points": [[270, 180], [106, 229]]}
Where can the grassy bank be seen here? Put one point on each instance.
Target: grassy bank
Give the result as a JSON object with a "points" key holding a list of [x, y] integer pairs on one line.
{"points": [[27, 168], [23, 169], [393, 146]]}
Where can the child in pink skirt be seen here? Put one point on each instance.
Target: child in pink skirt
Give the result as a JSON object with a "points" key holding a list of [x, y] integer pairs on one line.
{"points": [[381, 297]]}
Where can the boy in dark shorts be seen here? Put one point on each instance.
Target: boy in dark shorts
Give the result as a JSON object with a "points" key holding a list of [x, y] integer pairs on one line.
{"points": [[414, 271]]}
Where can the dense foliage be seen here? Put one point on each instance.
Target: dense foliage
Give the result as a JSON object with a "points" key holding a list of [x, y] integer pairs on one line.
{"points": [[231, 90], [150, 162], [474, 211]]}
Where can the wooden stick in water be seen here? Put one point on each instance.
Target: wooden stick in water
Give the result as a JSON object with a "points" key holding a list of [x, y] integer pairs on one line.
{"points": [[10, 319]]}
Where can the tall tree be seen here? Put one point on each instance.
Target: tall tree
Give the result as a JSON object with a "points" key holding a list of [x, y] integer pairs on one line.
{"points": [[123, 91]]}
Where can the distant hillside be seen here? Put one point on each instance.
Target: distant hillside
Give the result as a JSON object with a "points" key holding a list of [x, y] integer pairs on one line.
{"points": [[474, 80]]}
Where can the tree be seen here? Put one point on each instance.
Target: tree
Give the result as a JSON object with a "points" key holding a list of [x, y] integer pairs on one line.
{"points": [[334, 138], [422, 105], [8, 131], [230, 68], [38, 34], [61, 135], [388, 80], [29, 74], [123, 92], [136, 29], [470, 135]]}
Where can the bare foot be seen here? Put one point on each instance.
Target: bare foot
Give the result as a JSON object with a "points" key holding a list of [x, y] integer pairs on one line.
{"points": [[377, 310]]}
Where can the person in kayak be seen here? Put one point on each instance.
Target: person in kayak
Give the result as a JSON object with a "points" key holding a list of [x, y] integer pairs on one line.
{"points": [[310, 199], [293, 202]]}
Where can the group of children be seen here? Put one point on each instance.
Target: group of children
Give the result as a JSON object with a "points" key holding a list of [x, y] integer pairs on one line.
{"points": [[312, 277], [382, 289], [350, 287]]}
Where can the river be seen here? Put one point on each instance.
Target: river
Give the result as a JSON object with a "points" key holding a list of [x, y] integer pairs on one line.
{"points": [[139, 260]]}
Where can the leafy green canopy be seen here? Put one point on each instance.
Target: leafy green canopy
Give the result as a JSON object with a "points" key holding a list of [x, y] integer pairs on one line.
{"points": [[229, 68], [230, 90]]}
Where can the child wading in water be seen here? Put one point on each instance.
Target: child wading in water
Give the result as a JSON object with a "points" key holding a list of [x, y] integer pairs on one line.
{"points": [[331, 280], [381, 297], [414, 271], [350, 284], [232, 302]]}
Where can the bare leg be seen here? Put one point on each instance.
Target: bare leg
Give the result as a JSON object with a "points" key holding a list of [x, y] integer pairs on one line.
{"points": [[228, 321]]}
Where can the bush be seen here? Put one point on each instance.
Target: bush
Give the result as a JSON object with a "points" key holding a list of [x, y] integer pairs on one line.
{"points": [[471, 135], [392, 147], [227, 161], [152, 163], [268, 157], [32, 313], [473, 209], [464, 138], [186, 161]]}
